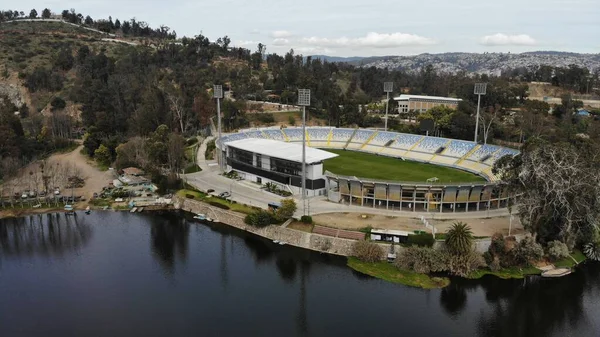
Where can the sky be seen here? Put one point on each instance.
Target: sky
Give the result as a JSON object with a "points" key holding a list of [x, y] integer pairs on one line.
{"points": [[363, 28]]}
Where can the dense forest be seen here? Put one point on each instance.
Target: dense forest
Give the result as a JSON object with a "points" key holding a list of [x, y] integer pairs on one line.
{"points": [[151, 91]]}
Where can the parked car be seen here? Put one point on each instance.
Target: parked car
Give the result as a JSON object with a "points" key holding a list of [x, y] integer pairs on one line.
{"points": [[42, 194], [225, 195], [25, 195], [95, 195], [32, 194], [210, 190], [56, 191]]}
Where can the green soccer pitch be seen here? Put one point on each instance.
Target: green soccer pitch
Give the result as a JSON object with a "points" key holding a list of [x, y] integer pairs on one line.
{"points": [[365, 165]]}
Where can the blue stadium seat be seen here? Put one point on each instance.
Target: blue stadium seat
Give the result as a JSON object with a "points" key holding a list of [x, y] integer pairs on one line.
{"points": [[274, 134], [362, 136], [406, 141], [431, 144], [318, 134], [382, 138], [293, 134], [341, 135], [458, 148]]}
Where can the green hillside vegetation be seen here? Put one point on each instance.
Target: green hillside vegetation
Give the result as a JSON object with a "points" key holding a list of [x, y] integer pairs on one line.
{"points": [[365, 165]]}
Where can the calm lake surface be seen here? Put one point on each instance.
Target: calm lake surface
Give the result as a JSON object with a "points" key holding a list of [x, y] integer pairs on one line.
{"points": [[122, 274]]}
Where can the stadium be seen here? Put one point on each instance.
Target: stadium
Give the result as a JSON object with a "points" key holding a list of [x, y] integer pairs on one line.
{"points": [[371, 168]]}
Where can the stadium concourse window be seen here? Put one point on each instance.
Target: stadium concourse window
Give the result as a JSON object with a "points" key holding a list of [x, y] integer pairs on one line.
{"points": [[285, 166], [242, 156]]}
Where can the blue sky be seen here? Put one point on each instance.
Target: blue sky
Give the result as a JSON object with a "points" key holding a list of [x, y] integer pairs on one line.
{"points": [[364, 28]]}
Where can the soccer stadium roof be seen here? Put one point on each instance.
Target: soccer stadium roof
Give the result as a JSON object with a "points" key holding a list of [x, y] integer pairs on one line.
{"points": [[407, 97], [281, 150]]}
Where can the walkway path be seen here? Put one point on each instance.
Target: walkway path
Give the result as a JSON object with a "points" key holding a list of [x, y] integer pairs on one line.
{"points": [[200, 156]]}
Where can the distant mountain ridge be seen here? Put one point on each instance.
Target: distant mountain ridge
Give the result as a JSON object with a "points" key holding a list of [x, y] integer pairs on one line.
{"points": [[481, 63]]}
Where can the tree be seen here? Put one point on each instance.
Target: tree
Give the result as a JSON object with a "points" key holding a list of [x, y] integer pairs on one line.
{"points": [[33, 14], [367, 251], [88, 20], [64, 59], [558, 187], [103, 155], [46, 13], [459, 238], [58, 103], [287, 209], [486, 120], [117, 24]]}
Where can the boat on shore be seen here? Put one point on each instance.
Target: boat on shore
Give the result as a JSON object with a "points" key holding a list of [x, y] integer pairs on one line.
{"points": [[200, 217], [88, 210], [276, 241], [69, 210]]}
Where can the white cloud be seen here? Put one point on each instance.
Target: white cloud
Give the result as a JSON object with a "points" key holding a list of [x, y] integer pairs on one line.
{"points": [[255, 31], [281, 34], [500, 39], [371, 40], [245, 43], [280, 42]]}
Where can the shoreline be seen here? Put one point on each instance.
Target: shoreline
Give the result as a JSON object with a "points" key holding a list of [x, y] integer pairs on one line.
{"points": [[310, 241]]}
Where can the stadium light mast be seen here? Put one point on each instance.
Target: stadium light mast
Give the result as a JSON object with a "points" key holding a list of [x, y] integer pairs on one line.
{"points": [[479, 90], [387, 88], [218, 94], [304, 101]]}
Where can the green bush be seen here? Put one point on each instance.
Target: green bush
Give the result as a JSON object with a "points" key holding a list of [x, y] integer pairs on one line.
{"points": [[192, 169], [210, 148], [266, 118], [292, 120], [219, 205], [189, 196], [367, 251], [422, 260], [306, 219], [260, 218], [191, 141], [421, 240], [528, 251], [557, 250]]}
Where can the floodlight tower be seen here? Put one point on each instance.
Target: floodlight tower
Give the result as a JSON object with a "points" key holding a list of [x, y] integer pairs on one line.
{"points": [[218, 94], [304, 101], [387, 88], [479, 90]]}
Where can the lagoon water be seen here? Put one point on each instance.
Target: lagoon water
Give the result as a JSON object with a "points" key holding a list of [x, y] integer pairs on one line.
{"points": [[122, 274]]}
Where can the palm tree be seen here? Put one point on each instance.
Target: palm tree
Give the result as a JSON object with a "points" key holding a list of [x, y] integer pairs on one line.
{"points": [[459, 238]]}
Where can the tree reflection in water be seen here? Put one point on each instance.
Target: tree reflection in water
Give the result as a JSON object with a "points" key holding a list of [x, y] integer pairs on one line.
{"points": [[43, 234], [169, 237], [530, 307]]}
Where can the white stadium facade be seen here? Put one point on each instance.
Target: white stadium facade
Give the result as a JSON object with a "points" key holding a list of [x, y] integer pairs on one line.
{"points": [[274, 155]]}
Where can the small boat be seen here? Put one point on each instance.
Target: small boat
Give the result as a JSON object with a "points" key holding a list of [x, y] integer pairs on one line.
{"points": [[140, 210], [282, 243], [275, 241], [200, 216], [209, 219], [88, 210], [133, 210], [69, 210]]}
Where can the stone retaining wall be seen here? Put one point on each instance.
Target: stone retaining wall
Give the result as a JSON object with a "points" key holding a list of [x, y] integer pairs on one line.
{"points": [[316, 242]]}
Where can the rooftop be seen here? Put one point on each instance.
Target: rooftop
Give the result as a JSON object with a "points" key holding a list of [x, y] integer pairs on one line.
{"points": [[281, 150], [390, 232], [404, 97]]}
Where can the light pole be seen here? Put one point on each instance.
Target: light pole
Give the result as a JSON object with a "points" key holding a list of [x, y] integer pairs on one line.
{"points": [[387, 88], [304, 101], [479, 90], [218, 94]]}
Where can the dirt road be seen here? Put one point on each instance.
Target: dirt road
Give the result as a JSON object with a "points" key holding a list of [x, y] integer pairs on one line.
{"points": [[60, 167], [355, 221]]}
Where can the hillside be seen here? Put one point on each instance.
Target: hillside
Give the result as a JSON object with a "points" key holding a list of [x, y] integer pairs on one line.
{"points": [[487, 63]]}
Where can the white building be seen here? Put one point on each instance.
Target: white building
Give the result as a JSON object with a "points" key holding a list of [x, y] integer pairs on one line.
{"points": [[266, 160], [420, 103]]}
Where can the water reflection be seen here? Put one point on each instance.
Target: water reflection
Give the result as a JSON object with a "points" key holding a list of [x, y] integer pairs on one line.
{"points": [[169, 240], [43, 234], [530, 307]]}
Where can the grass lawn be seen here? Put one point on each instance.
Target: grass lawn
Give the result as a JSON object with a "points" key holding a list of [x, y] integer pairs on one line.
{"points": [[568, 262], [365, 165], [388, 272], [506, 273], [241, 208], [301, 226]]}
